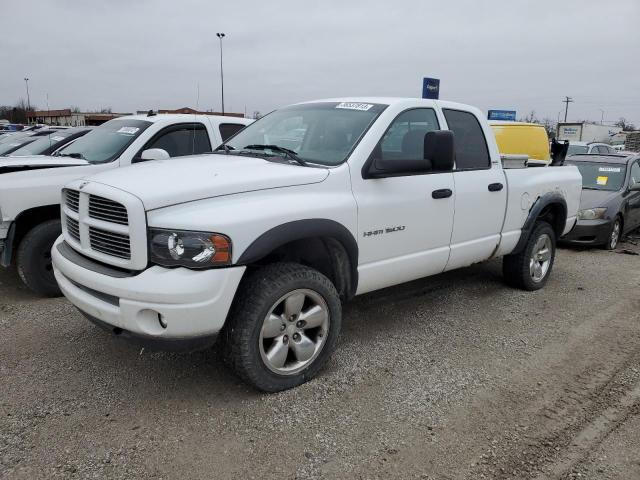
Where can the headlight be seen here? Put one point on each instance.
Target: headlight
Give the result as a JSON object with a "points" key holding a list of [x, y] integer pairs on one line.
{"points": [[591, 213], [189, 249]]}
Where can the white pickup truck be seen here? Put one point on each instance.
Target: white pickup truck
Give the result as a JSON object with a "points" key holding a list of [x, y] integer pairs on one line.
{"points": [[258, 243], [30, 185]]}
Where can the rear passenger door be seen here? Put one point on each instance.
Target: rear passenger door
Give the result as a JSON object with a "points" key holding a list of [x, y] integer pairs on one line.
{"points": [[481, 194], [180, 140]]}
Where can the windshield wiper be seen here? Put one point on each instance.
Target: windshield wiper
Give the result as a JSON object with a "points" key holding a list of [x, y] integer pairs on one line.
{"points": [[72, 155], [289, 153], [225, 147]]}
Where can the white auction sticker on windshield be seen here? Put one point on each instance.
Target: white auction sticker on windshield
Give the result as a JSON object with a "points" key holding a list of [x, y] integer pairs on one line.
{"points": [[355, 106], [128, 130], [610, 169]]}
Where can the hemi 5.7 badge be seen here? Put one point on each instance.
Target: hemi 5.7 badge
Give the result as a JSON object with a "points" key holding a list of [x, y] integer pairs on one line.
{"points": [[382, 231]]}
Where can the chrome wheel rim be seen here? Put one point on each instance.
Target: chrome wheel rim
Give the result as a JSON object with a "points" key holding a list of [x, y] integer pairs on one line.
{"points": [[294, 331], [615, 235], [540, 260]]}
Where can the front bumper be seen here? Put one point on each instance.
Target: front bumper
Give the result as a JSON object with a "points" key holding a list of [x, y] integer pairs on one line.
{"points": [[589, 232], [159, 305]]}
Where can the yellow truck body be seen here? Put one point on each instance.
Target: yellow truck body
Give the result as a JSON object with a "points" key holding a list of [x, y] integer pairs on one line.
{"points": [[519, 138]]}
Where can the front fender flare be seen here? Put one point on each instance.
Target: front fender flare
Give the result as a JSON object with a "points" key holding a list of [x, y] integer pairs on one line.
{"points": [[299, 230]]}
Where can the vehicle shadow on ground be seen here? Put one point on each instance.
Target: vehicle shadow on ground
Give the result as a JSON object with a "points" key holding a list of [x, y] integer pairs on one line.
{"points": [[204, 372]]}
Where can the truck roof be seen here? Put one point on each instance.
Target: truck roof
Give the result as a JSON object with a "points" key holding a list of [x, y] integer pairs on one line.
{"points": [[183, 117], [393, 101]]}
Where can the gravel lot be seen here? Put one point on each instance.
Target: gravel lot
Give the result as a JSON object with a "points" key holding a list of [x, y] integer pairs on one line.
{"points": [[451, 377]]}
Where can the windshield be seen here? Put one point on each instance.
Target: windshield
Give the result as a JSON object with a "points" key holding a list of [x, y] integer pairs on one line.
{"points": [[106, 142], [573, 149], [323, 133], [42, 144], [9, 147], [601, 176]]}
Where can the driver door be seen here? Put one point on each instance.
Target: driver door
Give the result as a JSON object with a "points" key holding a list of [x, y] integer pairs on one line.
{"points": [[404, 221]]}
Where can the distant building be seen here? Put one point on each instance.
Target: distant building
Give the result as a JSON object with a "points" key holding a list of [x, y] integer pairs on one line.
{"points": [[189, 110], [66, 117]]}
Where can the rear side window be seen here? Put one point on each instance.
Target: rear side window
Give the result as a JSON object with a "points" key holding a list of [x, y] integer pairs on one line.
{"points": [[183, 140], [405, 138], [470, 145], [228, 130]]}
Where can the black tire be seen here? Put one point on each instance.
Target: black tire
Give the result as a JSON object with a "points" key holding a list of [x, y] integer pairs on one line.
{"points": [[257, 294], [516, 268], [34, 259], [612, 242]]}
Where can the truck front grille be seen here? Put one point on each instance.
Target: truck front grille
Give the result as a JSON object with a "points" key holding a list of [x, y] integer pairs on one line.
{"points": [[73, 228], [105, 224], [72, 199], [110, 243], [102, 208]]}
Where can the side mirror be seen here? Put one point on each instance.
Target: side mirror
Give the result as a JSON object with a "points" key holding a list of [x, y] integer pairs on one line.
{"points": [[155, 154], [635, 188], [438, 156], [439, 150]]}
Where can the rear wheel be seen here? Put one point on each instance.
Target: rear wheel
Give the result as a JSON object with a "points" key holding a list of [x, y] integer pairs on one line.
{"points": [[530, 269], [34, 259], [614, 235], [283, 326]]}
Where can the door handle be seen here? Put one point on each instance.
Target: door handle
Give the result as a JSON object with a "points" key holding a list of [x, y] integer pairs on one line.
{"points": [[495, 187], [442, 193]]}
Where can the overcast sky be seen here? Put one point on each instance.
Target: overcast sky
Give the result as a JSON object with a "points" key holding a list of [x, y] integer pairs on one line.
{"points": [[511, 54]]}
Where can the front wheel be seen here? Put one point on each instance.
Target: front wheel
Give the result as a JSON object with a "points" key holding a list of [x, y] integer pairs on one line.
{"points": [[614, 235], [530, 269], [34, 258], [283, 326]]}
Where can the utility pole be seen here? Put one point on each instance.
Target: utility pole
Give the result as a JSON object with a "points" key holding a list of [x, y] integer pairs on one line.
{"points": [[601, 116], [221, 35], [567, 100], [26, 82]]}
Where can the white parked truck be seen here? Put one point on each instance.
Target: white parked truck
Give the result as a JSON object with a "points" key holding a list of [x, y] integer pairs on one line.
{"points": [[259, 243], [30, 185], [586, 132]]}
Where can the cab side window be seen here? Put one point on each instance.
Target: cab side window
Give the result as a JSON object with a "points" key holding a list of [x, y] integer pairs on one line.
{"points": [[404, 140], [181, 140], [228, 130], [470, 145]]}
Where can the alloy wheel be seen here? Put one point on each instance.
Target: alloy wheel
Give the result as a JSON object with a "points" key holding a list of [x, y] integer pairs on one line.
{"points": [[294, 331], [540, 260]]}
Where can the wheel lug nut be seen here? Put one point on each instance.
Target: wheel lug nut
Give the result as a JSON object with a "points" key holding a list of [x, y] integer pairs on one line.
{"points": [[296, 336], [292, 318], [285, 339], [282, 327], [301, 323]]}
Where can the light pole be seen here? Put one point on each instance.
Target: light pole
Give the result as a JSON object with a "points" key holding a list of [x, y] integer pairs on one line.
{"points": [[26, 82], [221, 36], [601, 116]]}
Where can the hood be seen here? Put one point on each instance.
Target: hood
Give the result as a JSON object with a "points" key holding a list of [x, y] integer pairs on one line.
{"points": [[160, 183], [596, 198], [36, 162]]}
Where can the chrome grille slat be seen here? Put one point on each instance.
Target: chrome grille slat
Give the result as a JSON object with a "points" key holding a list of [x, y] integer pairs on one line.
{"points": [[72, 199], [110, 243], [73, 228], [107, 210]]}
